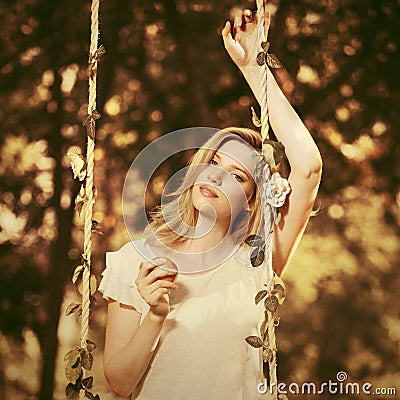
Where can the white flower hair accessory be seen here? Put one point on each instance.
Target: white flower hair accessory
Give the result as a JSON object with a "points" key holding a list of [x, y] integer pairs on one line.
{"points": [[275, 188]]}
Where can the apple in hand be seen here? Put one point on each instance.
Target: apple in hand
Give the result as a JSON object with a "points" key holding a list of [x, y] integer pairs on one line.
{"points": [[166, 264]]}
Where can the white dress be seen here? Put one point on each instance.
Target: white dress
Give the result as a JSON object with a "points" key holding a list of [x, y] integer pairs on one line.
{"points": [[201, 353]]}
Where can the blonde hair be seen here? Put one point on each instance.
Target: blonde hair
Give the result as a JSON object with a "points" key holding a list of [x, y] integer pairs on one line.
{"points": [[171, 227]]}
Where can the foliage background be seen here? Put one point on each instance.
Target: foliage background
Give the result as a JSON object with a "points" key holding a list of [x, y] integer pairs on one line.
{"points": [[165, 69]]}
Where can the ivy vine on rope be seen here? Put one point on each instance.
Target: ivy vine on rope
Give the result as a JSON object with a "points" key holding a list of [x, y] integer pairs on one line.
{"points": [[78, 361], [274, 191]]}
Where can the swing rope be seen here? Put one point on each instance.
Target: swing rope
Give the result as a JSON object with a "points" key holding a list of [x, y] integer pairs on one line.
{"points": [[78, 361], [91, 128], [87, 247], [262, 32]]}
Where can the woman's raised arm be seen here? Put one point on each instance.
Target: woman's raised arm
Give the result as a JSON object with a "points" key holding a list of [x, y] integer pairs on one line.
{"points": [[301, 150]]}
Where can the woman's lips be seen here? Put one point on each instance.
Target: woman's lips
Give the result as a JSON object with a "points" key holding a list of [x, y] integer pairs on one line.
{"points": [[207, 191]]}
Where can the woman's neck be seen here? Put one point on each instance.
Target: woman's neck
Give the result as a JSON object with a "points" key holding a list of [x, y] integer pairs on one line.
{"points": [[208, 234], [203, 249]]}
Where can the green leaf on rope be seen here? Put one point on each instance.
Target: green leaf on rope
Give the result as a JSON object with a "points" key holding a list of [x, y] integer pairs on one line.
{"points": [[254, 341], [262, 54], [279, 288], [73, 307], [86, 359], [273, 153], [281, 298], [257, 257], [93, 59], [260, 58], [91, 346], [92, 284], [263, 57], [91, 396], [254, 241], [72, 365], [89, 120], [279, 291], [268, 154], [78, 163], [273, 62], [80, 199], [87, 382], [278, 283], [72, 391], [267, 355], [265, 46], [77, 276], [100, 52], [96, 227], [271, 303], [96, 115], [260, 295]]}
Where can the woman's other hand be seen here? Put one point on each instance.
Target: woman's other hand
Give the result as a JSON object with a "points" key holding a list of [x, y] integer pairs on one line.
{"points": [[243, 45], [154, 283]]}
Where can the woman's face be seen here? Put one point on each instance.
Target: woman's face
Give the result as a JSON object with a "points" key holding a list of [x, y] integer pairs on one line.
{"points": [[227, 183]]}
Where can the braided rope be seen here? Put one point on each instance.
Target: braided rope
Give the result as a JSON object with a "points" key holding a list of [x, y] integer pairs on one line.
{"points": [[262, 37], [262, 32], [87, 247]]}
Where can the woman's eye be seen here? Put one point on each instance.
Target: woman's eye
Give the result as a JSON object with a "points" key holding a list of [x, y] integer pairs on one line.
{"points": [[238, 177], [213, 162]]}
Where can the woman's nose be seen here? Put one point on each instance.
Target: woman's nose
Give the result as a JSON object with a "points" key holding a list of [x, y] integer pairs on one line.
{"points": [[214, 175]]}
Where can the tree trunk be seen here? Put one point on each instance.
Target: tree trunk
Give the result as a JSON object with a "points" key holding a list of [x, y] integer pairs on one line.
{"points": [[59, 264]]}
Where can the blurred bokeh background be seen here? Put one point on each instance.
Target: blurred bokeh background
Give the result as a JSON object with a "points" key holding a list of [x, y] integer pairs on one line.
{"points": [[166, 69]]}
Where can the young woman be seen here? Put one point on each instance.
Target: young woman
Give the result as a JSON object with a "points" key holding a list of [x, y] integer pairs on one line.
{"points": [[181, 336]]}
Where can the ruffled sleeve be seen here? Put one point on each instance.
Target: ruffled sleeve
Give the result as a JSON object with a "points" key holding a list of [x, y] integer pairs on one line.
{"points": [[118, 279]]}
